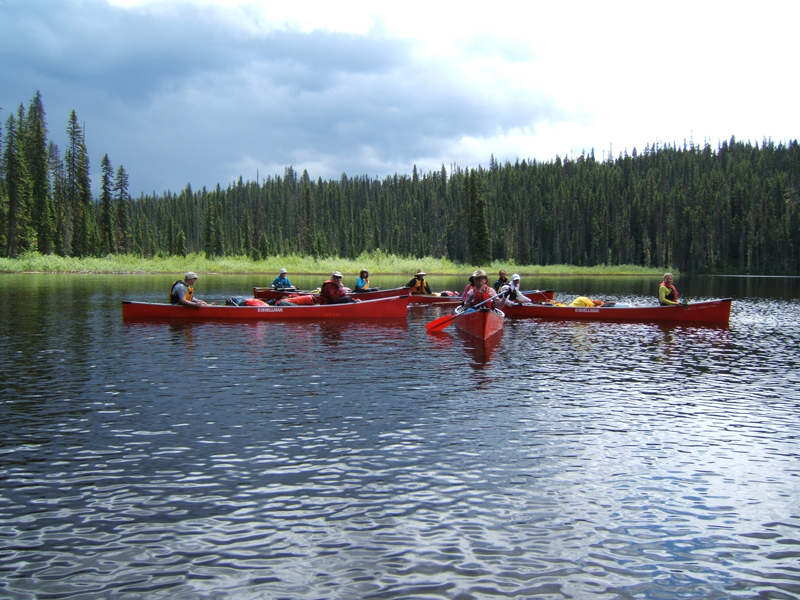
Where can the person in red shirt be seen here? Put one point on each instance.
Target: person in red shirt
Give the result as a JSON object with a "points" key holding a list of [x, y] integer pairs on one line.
{"points": [[333, 292]]}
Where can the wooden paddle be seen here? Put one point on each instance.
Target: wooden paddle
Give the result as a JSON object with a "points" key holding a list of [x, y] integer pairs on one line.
{"points": [[442, 322]]}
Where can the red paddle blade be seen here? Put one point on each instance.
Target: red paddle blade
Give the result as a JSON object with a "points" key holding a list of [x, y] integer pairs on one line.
{"points": [[440, 323]]}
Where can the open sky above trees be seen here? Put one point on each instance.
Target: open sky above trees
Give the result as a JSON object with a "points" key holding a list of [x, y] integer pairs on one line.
{"points": [[204, 91]]}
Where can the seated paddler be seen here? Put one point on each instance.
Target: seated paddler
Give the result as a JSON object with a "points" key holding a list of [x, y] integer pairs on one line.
{"points": [[333, 292], [182, 292], [362, 281], [515, 295], [482, 292], [418, 285], [281, 281], [667, 292]]}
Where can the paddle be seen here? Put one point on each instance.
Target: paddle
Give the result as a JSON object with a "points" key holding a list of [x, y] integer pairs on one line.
{"points": [[442, 322]]}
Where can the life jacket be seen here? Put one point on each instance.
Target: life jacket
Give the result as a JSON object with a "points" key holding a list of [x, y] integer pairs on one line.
{"points": [[673, 293], [324, 299], [481, 296], [301, 299], [418, 287], [255, 302], [173, 297], [363, 287]]}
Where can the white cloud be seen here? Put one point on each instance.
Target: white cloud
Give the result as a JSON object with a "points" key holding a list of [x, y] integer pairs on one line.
{"points": [[207, 90]]}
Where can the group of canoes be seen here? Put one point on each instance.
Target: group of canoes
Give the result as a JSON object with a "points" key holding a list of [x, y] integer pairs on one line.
{"points": [[480, 309]]}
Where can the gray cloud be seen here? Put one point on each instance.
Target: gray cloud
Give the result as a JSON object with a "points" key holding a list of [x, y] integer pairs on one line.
{"points": [[185, 97]]}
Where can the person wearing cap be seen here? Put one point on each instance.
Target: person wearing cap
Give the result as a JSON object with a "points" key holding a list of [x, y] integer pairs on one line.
{"points": [[514, 295], [482, 291], [362, 282], [281, 281], [182, 292], [418, 285], [333, 292], [501, 281]]}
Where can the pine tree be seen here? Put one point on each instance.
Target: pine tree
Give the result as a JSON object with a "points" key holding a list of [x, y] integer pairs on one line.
{"points": [[78, 240], [108, 239], [480, 251], [19, 234], [180, 243], [37, 160], [123, 201]]}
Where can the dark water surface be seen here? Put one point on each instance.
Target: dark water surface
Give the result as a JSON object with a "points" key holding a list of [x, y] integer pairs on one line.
{"points": [[372, 460]]}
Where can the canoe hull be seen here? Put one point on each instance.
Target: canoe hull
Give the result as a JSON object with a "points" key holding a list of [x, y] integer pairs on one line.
{"points": [[423, 299], [480, 323], [713, 311], [270, 294], [385, 308]]}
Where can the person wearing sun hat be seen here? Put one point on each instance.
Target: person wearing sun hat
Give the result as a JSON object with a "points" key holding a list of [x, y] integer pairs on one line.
{"points": [[182, 292], [482, 292], [333, 292], [281, 281], [418, 285]]}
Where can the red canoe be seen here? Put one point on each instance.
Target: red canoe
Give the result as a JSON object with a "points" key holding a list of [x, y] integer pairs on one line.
{"points": [[385, 308], [271, 294], [265, 293], [481, 323], [712, 311]]}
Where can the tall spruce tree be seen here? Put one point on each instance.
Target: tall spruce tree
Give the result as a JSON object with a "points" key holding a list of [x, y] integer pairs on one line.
{"points": [[19, 234], [38, 164], [107, 238], [123, 220], [480, 251], [79, 193]]}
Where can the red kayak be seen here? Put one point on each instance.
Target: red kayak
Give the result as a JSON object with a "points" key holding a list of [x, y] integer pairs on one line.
{"points": [[712, 311], [384, 308], [482, 323]]}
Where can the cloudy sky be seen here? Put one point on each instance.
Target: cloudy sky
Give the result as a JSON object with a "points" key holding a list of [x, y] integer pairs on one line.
{"points": [[203, 91]]}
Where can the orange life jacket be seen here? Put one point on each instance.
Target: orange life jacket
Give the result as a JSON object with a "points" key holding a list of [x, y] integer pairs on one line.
{"points": [[673, 294], [301, 299], [418, 287], [481, 296], [255, 302]]}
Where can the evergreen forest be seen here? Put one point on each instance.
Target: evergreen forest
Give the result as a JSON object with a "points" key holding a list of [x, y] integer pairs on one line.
{"points": [[730, 209]]}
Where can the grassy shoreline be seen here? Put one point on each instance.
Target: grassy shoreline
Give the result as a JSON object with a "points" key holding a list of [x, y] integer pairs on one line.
{"points": [[377, 262]]}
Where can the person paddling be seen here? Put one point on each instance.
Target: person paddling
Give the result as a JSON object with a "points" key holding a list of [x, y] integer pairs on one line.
{"points": [[515, 295], [481, 292], [667, 292], [182, 292]]}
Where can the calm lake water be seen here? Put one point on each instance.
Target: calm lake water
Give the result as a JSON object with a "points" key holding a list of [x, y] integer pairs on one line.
{"points": [[373, 460]]}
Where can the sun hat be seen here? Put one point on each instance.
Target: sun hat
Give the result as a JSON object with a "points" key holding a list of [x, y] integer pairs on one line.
{"points": [[479, 273], [190, 275], [421, 272], [515, 277], [364, 271], [336, 274], [283, 271]]}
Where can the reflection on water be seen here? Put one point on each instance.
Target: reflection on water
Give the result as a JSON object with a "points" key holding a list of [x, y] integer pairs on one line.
{"points": [[373, 460]]}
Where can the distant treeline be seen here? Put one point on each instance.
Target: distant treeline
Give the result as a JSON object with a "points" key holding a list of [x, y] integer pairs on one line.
{"points": [[733, 209]]}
